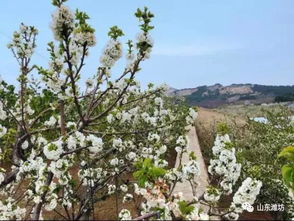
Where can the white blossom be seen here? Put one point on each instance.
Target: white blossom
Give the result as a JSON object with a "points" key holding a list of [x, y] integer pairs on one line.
{"points": [[53, 150], [51, 122], [110, 118], [131, 156], [232, 216], [179, 149], [111, 53], [158, 101], [124, 188], [127, 197], [126, 117], [191, 169], [114, 162], [51, 205], [71, 142], [246, 193], [3, 114], [8, 210], [125, 215], [62, 19], [224, 163], [3, 131], [117, 143], [190, 119], [146, 39], [96, 143], [25, 145], [212, 196], [22, 43], [181, 141], [162, 149], [153, 137], [2, 177], [111, 189], [85, 38]]}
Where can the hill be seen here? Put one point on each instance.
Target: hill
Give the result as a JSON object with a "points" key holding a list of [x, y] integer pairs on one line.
{"points": [[217, 95]]}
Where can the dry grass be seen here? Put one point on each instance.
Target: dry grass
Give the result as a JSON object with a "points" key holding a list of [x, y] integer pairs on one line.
{"points": [[206, 127], [244, 111]]}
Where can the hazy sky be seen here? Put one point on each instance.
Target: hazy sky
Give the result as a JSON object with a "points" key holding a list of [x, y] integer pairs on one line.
{"points": [[197, 42]]}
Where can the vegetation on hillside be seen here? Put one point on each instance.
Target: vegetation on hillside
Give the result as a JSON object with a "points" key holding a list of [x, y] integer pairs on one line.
{"points": [[217, 95]]}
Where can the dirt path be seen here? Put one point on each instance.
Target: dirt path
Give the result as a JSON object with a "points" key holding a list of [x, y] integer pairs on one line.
{"points": [[185, 187]]}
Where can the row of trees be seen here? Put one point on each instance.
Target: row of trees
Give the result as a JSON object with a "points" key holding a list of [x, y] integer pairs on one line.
{"points": [[268, 138]]}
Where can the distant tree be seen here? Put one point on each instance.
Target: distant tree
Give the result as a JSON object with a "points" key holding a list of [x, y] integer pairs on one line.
{"points": [[285, 98]]}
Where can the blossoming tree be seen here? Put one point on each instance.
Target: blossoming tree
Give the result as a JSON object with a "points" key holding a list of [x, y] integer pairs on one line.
{"points": [[67, 145]]}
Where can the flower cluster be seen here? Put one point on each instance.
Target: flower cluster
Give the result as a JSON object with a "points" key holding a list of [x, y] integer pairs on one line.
{"points": [[24, 42], [191, 169], [62, 22], [157, 200], [144, 44], [9, 210], [51, 122], [212, 194], [85, 38], [111, 53], [3, 114], [225, 163], [125, 215], [96, 143], [181, 142], [2, 175], [3, 131], [197, 214], [192, 116], [91, 175], [53, 150], [128, 197], [244, 197]]}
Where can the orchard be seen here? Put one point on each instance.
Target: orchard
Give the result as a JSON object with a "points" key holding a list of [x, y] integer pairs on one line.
{"points": [[66, 145]]}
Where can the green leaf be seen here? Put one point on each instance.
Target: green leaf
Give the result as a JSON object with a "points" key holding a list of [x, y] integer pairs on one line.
{"points": [[288, 153], [145, 17], [192, 156], [115, 32], [223, 128], [58, 3], [288, 175], [146, 171], [81, 16], [185, 208]]}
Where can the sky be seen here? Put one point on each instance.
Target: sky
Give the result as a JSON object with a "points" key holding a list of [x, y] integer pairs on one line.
{"points": [[197, 42]]}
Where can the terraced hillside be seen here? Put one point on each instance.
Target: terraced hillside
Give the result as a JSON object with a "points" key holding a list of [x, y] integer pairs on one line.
{"points": [[217, 95]]}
